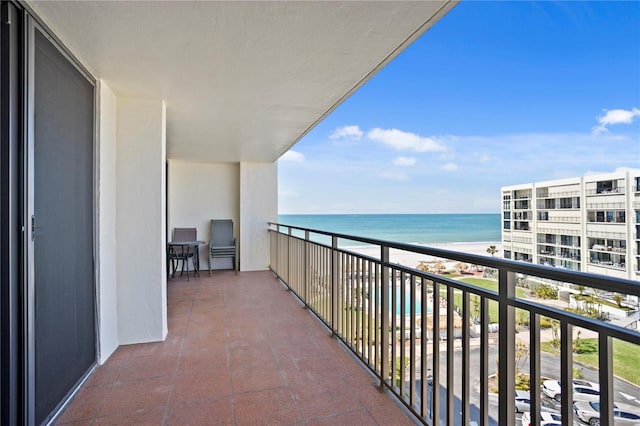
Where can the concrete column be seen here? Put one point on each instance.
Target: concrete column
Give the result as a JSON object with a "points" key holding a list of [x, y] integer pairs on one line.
{"points": [[141, 221], [258, 206], [106, 266]]}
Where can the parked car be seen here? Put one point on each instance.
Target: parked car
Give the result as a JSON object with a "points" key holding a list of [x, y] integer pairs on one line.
{"points": [[589, 412], [552, 388], [546, 419], [582, 393], [523, 403]]}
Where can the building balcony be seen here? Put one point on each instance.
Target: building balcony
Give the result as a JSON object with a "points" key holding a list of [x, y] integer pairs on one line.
{"points": [[317, 340], [240, 350]]}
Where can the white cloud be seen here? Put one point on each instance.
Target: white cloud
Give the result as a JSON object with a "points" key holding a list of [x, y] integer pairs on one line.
{"points": [[449, 167], [288, 193], [399, 176], [293, 157], [615, 116], [404, 161], [347, 132], [405, 141]]}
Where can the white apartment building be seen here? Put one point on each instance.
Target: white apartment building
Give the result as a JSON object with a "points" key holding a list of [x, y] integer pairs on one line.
{"points": [[589, 223]]}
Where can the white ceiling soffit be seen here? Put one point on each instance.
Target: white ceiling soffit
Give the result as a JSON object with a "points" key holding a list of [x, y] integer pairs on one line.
{"points": [[242, 81]]}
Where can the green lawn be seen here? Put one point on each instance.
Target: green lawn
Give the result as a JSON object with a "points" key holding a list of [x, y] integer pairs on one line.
{"points": [[625, 358], [475, 300]]}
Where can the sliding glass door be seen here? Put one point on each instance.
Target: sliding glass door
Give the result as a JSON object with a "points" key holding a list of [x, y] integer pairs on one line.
{"points": [[62, 287]]}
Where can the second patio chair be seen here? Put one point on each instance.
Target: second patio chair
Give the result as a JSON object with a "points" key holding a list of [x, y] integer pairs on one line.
{"points": [[184, 254], [222, 242]]}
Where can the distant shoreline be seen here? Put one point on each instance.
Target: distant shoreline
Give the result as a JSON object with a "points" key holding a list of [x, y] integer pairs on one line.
{"points": [[411, 259]]}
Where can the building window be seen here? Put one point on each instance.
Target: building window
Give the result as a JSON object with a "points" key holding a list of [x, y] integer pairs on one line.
{"points": [[604, 187], [566, 203], [637, 184], [507, 215], [543, 215], [506, 225]]}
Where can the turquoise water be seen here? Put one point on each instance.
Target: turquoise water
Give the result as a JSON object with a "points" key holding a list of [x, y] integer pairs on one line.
{"points": [[406, 228], [407, 302]]}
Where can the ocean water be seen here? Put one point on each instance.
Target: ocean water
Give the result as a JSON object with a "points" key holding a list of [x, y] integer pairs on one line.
{"points": [[406, 228]]}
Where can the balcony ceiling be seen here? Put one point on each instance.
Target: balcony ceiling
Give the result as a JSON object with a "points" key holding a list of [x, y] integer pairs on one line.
{"points": [[241, 81]]}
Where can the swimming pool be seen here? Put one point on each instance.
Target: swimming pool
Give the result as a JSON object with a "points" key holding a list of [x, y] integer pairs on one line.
{"points": [[407, 302]]}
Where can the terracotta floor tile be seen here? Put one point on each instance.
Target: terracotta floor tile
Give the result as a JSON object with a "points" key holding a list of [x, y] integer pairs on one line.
{"points": [[324, 399], [389, 414], [144, 367], [171, 346], [268, 407], [85, 404], [146, 417], [123, 352], [205, 413], [108, 373], [240, 350], [354, 418], [199, 385], [249, 380], [143, 396]]}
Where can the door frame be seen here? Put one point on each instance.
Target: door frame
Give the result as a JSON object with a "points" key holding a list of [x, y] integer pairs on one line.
{"points": [[31, 25]]}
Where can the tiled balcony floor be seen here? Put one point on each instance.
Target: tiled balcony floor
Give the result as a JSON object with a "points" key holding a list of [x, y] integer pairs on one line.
{"points": [[240, 351]]}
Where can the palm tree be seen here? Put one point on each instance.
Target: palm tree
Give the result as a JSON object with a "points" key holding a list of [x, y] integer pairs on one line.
{"points": [[492, 250], [618, 298]]}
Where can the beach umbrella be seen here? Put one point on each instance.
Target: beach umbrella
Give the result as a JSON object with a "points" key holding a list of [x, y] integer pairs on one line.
{"points": [[422, 266], [439, 267], [461, 266]]}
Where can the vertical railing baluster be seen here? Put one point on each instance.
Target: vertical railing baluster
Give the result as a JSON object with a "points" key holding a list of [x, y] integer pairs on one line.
{"points": [[484, 361], [384, 314], [465, 358], [334, 285], [534, 367], [435, 357], [378, 313], [359, 308], [605, 372], [369, 311], [566, 372], [423, 349], [506, 351], [306, 269], [450, 357], [403, 330], [394, 325], [412, 347]]}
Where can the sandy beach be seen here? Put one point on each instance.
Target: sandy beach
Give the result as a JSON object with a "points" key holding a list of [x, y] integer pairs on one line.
{"points": [[413, 259]]}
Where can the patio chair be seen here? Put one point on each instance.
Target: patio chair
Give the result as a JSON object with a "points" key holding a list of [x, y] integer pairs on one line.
{"points": [[222, 243], [177, 254]]}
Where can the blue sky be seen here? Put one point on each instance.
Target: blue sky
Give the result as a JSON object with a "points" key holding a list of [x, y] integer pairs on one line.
{"points": [[495, 94]]}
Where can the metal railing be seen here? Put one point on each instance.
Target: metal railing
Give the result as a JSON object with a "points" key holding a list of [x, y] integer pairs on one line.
{"points": [[395, 319]]}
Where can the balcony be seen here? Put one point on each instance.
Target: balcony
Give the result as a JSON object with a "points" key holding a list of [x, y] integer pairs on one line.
{"points": [[240, 350], [388, 314]]}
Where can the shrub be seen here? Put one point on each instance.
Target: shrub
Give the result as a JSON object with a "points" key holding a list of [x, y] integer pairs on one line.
{"points": [[546, 291]]}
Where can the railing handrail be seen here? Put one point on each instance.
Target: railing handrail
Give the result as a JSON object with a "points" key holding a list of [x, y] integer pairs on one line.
{"points": [[344, 282], [601, 282]]}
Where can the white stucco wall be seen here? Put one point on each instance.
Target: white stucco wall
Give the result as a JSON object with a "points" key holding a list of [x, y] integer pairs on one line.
{"points": [[258, 206], [107, 285], [199, 192], [141, 224]]}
